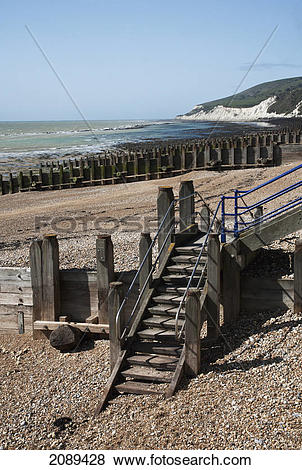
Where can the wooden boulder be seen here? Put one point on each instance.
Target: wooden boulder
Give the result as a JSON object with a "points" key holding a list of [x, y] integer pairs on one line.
{"points": [[65, 338]]}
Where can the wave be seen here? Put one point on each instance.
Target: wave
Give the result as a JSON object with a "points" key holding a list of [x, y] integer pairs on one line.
{"points": [[141, 125]]}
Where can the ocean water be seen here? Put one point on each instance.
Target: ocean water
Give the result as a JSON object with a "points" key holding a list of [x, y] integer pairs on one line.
{"points": [[57, 138]]}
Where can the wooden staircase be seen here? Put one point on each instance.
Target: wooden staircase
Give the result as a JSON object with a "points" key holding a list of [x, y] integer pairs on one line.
{"points": [[153, 359]]}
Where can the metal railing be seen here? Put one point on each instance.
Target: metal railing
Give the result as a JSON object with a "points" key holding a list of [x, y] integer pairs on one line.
{"points": [[240, 211], [189, 285], [127, 327]]}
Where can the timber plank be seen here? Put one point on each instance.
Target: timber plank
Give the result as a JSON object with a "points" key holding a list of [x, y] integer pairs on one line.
{"points": [[157, 348], [178, 374], [156, 361], [148, 374], [138, 388], [53, 325], [16, 299], [113, 379]]}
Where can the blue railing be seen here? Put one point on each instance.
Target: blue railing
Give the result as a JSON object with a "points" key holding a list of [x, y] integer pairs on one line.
{"points": [[241, 208]]}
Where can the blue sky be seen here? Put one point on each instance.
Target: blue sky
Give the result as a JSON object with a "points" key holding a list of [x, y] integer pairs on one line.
{"points": [[125, 59]]}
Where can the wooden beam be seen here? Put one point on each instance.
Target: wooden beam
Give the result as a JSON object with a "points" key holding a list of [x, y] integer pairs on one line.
{"points": [[178, 374], [51, 301], [36, 281], [52, 325], [213, 284], [105, 273], [114, 302], [298, 277], [192, 332], [230, 286]]}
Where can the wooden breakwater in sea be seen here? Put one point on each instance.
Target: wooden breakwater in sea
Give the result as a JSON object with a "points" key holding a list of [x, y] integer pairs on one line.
{"points": [[123, 166]]}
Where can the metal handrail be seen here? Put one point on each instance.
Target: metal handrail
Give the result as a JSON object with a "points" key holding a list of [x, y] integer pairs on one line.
{"points": [[126, 328], [288, 172], [173, 204], [238, 212], [194, 271]]}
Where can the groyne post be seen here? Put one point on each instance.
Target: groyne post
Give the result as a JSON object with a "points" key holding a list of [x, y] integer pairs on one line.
{"points": [[298, 276], [186, 204], [105, 273], [115, 298], [192, 332], [165, 210], [213, 292]]}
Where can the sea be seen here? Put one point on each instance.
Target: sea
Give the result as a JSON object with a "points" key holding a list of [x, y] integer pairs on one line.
{"points": [[38, 139]]}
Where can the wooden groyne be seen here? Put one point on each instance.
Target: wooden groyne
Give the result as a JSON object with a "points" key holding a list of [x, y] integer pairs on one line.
{"points": [[157, 162]]}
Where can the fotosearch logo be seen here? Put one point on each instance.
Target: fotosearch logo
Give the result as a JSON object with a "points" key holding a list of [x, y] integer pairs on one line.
{"points": [[109, 225]]}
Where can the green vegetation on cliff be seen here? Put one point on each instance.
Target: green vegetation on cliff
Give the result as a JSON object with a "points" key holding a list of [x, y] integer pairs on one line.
{"points": [[288, 94]]}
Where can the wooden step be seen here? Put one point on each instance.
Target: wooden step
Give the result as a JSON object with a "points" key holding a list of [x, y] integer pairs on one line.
{"points": [[137, 388], [184, 268], [148, 374], [182, 280], [192, 250], [188, 259], [157, 348], [162, 321], [167, 299], [156, 361], [169, 289], [166, 310], [158, 334]]}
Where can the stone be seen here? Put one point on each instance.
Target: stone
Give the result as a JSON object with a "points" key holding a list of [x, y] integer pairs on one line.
{"points": [[65, 338]]}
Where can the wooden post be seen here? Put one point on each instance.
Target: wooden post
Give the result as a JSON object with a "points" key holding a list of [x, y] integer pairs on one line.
{"points": [[206, 153], [21, 322], [92, 170], [1, 185], [298, 277], [61, 176], [20, 181], [144, 244], [11, 183], [183, 158], [81, 168], [36, 281], [258, 215], [204, 219], [244, 154], [164, 204], [105, 273], [50, 177], [186, 206], [230, 287], [41, 176], [213, 292], [192, 332], [115, 298], [51, 301]]}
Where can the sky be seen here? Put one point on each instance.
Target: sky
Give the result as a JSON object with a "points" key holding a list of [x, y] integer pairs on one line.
{"points": [[139, 59]]}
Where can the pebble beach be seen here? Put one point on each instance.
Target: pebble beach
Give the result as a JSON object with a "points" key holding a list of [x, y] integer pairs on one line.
{"points": [[248, 398]]}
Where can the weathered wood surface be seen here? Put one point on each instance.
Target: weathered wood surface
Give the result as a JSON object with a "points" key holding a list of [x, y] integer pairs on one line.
{"points": [[230, 286], [51, 298], [212, 301], [105, 273], [14, 274], [115, 325], [178, 374], [192, 332], [260, 294], [52, 325], [298, 277], [271, 230]]}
